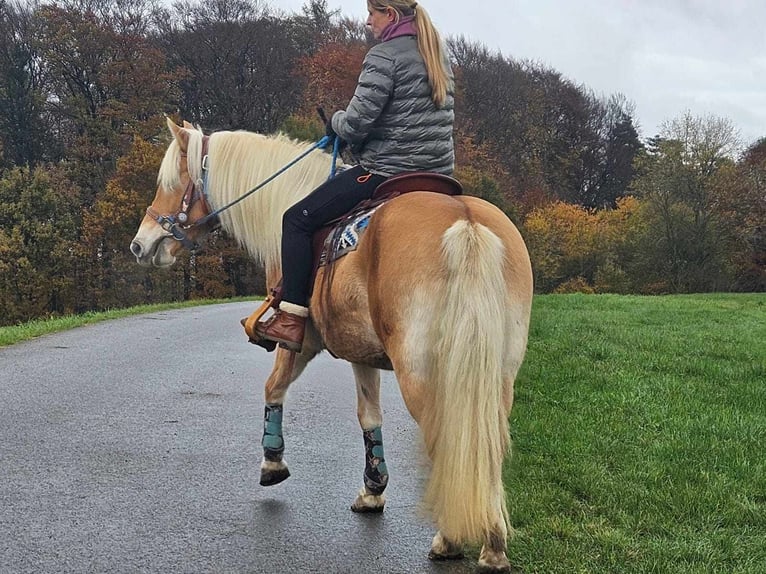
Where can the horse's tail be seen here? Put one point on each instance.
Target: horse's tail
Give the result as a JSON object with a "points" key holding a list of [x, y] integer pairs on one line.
{"points": [[466, 424]]}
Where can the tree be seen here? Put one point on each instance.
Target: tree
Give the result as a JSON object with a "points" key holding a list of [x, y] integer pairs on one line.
{"points": [[577, 249], [38, 234], [317, 26], [23, 133], [330, 76], [236, 61], [740, 203], [563, 244], [622, 147], [107, 84], [554, 138], [107, 273], [677, 176]]}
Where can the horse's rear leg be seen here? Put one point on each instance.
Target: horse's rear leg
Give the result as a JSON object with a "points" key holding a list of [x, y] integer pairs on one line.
{"points": [[370, 497], [287, 367]]}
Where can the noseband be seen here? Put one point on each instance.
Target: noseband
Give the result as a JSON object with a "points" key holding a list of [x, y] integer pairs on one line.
{"points": [[177, 224]]}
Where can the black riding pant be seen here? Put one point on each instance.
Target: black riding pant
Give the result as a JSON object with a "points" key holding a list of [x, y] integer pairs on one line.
{"points": [[329, 201]]}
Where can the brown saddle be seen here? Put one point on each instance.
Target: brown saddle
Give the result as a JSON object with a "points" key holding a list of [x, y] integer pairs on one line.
{"points": [[418, 181], [322, 242]]}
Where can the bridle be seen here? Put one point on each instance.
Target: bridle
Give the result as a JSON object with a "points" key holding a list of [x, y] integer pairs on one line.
{"points": [[177, 224]]}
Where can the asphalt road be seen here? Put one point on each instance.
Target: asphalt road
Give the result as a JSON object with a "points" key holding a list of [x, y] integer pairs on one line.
{"points": [[134, 446]]}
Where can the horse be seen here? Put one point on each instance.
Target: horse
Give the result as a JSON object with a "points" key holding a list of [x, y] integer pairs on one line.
{"points": [[439, 290]]}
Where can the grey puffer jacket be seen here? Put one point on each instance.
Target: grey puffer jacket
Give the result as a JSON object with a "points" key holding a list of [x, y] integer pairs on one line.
{"points": [[391, 122]]}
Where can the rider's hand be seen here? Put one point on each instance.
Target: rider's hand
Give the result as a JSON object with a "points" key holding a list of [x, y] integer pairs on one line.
{"points": [[329, 132]]}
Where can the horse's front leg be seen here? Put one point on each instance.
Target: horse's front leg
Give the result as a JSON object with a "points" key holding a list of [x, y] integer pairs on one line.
{"points": [[287, 367], [370, 497]]}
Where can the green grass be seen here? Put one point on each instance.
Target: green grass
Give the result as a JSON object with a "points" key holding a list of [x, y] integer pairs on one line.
{"points": [[639, 436], [25, 331]]}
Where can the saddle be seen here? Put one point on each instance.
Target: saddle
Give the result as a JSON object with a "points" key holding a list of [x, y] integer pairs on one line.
{"points": [[418, 181], [340, 236]]}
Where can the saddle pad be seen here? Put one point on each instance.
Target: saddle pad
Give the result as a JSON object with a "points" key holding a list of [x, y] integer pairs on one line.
{"points": [[344, 238]]}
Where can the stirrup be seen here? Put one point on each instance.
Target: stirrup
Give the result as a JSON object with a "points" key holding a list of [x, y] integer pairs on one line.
{"points": [[250, 323]]}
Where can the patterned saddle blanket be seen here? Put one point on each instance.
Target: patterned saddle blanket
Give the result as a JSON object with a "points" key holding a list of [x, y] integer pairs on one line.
{"points": [[342, 238]]}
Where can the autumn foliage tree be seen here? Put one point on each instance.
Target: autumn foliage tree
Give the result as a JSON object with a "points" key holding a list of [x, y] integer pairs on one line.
{"points": [[577, 249], [38, 239], [106, 83], [330, 76], [740, 204], [84, 85]]}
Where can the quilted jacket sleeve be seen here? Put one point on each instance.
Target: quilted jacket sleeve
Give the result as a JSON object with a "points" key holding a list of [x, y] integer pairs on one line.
{"points": [[373, 91]]}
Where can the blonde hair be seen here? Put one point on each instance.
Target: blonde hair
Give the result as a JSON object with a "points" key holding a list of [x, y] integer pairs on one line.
{"points": [[429, 44]]}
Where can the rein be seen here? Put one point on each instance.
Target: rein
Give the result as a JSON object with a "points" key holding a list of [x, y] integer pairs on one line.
{"points": [[176, 223], [321, 143]]}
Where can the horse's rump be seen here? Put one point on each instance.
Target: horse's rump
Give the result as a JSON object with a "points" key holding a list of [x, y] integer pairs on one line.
{"points": [[385, 290]]}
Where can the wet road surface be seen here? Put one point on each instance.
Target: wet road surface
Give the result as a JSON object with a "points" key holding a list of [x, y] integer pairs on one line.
{"points": [[134, 446]]}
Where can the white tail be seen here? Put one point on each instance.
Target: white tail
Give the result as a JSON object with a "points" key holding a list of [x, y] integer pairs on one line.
{"points": [[466, 430]]}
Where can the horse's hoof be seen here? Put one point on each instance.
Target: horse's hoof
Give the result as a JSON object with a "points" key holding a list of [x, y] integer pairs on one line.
{"points": [[497, 564], [443, 549], [272, 477], [367, 503]]}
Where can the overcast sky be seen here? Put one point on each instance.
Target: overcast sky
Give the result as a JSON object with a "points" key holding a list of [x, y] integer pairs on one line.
{"points": [[666, 56]]}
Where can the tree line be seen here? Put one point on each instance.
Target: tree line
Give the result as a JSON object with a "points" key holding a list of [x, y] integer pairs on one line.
{"points": [[85, 85]]}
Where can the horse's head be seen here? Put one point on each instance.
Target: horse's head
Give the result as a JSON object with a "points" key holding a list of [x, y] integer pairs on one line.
{"points": [[174, 220]]}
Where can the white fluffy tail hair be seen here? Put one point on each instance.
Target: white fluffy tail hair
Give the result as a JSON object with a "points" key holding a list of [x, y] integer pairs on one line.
{"points": [[466, 426]]}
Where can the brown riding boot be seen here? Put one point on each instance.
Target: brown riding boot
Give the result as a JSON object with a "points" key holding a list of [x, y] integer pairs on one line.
{"points": [[285, 327]]}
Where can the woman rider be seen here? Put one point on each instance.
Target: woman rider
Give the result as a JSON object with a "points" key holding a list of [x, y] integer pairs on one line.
{"points": [[400, 119]]}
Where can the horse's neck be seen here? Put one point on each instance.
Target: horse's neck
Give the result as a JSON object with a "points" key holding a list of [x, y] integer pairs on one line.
{"points": [[240, 161]]}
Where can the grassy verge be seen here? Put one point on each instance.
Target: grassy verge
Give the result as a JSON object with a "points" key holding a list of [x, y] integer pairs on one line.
{"points": [[639, 430], [18, 333]]}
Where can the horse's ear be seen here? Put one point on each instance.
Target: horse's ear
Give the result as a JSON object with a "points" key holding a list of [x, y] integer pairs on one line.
{"points": [[182, 136], [189, 126]]}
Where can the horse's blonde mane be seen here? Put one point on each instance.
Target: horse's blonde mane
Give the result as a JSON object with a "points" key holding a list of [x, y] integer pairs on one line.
{"points": [[168, 177], [238, 161]]}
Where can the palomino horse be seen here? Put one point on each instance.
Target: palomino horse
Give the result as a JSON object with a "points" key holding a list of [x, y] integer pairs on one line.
{"points": [[439, 290]]}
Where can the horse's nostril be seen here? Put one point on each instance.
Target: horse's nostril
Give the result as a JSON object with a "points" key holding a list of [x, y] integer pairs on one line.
{"points": [[135, 248]]}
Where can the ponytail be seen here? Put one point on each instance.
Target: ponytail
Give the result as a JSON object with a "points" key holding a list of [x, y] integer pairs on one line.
{"points": [[432, 50], [429, 44]]}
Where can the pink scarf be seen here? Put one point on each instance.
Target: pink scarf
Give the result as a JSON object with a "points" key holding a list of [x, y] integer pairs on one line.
{"points": [[404, 27]]}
